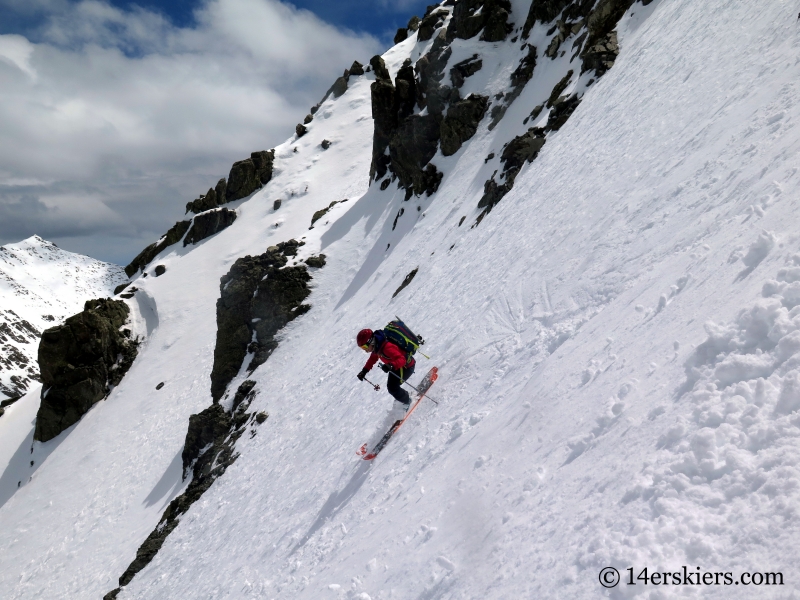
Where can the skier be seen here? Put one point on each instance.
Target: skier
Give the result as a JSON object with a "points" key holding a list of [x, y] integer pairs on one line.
{"points": [[396, 362]]}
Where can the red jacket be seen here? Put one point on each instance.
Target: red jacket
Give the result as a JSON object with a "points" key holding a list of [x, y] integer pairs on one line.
{"points": [[390, 354]]}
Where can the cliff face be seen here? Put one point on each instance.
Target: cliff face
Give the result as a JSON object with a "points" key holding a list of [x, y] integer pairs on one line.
{"points": [[80, 362]]}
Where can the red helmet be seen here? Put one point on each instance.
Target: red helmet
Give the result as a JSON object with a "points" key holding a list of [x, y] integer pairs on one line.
{"points": [[363, 337]]}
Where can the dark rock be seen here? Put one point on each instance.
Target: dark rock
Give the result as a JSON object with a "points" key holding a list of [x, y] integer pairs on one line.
{"points": [[524, 71], [203, 203], [79, 361], [261, 288], [338, 88], [431, 178], [401, 35], [559, 89], [562, 110], [112, 595], [222, 190], [9, 401], [406, 281], [461, 122], [544, 11], [602, 55], [465, 68], [316, 261], [2, 411], [430, 68], [413, 23], [277, 204], [522, 148], [405, 90], [603, 20], [173, 236], [51, 317], [261, 417], [472, 16], [250, 174], [385, 183], [412, 147], [321, 213], [497, 25], [204, 428], [384, 116], [160, 270], [308, 119], [429, 24], [160, 385], [356, 68], [325, 144], [209, 223], [300, 130], [121, 287]]}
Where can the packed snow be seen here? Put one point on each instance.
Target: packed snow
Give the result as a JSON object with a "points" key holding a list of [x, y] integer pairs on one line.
{"points": [[618, 345]]}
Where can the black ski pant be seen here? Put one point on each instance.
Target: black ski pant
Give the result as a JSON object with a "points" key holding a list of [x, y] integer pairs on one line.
{"points": [[396, 378]]}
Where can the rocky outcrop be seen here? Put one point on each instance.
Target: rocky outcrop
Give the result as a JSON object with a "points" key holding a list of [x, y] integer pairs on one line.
{"points": [[465, 68], [561, 111], [430, 23], [212, 199], [413, 145], [208, 451], [173, 236], [408, 279], [316, 261], [208, 223], [249, 175], [470, 17], [461, 122], [601, 55], [324, 211], [80, 362], [258, 297], [593, 24], [522, 149]]}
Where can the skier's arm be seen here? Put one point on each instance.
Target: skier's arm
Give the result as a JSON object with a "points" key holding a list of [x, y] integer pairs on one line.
{"points": [[373, 358]]}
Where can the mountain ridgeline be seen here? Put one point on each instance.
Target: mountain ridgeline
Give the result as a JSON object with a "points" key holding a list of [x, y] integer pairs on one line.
{"points": [[421, 115]]}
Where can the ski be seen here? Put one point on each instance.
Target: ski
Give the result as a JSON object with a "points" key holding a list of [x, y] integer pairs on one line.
{"points": [[422, 389]]}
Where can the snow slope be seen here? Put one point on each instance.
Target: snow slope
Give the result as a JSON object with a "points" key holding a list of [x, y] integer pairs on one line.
{"points": [[40, 286], [617, 344]]}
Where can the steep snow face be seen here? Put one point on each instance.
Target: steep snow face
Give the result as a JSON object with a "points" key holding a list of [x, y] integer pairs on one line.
{"points": [[40, 286], [616, 341]]}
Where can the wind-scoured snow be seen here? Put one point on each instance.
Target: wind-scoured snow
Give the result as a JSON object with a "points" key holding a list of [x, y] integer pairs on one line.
{"points": [[40, 286], [617, 343]]}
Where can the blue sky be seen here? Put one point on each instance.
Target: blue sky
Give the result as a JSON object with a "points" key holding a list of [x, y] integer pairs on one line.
{"points": [[380, 18], [116, 114]]}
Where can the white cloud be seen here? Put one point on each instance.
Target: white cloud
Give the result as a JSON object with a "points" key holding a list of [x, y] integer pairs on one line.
{"points": [[114, 119]]}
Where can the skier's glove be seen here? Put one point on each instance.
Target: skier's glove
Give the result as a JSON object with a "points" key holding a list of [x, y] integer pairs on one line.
{"points": [[362, 374], [386, 368]]}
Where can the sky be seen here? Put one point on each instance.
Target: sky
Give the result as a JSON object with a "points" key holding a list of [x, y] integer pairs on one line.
{"points": [[114, 115]]}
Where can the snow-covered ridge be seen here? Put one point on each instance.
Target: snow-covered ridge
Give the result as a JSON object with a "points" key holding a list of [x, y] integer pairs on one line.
{"points": [[40, 286]]}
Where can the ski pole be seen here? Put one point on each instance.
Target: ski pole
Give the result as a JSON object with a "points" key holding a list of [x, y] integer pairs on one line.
{"points": [[376, 386], [411, 386]]}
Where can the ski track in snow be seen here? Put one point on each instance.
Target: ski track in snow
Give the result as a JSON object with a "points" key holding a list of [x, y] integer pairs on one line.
{"points": [[617, 342]]}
